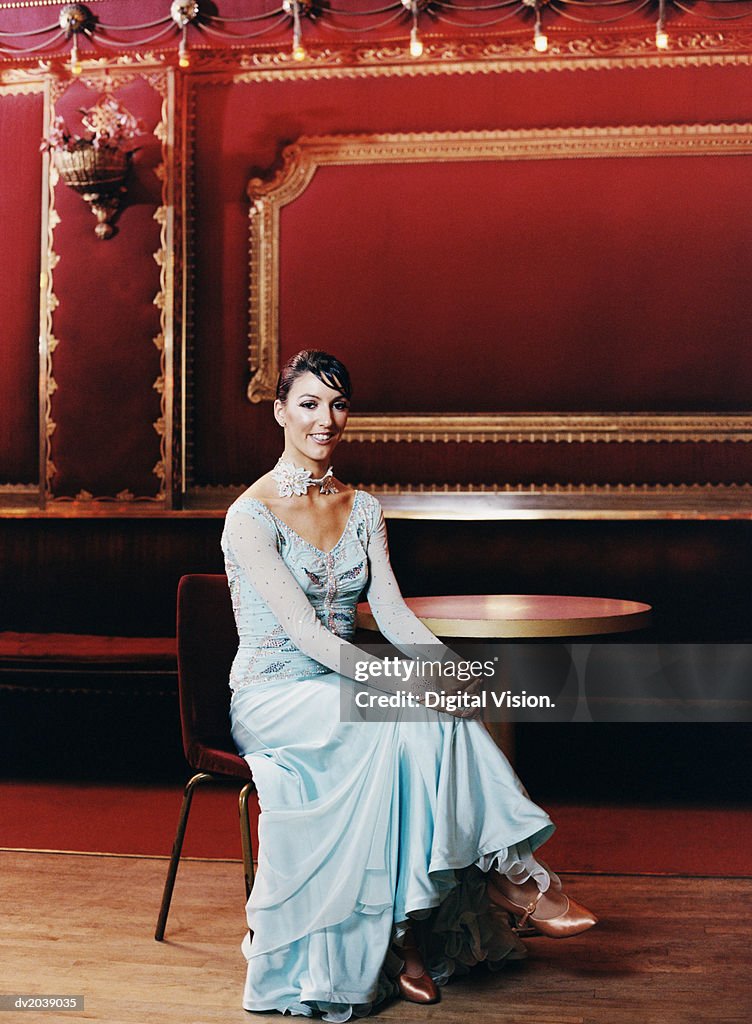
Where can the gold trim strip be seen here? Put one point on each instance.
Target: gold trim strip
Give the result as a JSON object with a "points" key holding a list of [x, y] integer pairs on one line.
{"points": [[568, 502], [570, 488], [23, 86], [457, 503], [303, 158], [455, 55], [468, 503], [557, 428], [164, 300], [48, 303]]}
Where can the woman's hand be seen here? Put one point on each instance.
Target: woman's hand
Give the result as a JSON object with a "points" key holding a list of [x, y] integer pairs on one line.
{"points": [[462, 701]]}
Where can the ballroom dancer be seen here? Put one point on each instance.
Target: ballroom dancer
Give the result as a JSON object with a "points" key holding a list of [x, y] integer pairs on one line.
{"points": [[392, 854]]}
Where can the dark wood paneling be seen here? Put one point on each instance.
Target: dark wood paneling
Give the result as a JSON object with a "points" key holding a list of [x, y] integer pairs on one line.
{"points": [[120, 576], [108, 576]]}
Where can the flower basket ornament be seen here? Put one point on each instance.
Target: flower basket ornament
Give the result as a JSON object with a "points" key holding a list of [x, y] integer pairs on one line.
{"points": [[98, 175], [96, 163]]}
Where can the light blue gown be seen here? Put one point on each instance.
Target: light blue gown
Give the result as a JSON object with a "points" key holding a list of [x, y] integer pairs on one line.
{"points": [[363, 824]]}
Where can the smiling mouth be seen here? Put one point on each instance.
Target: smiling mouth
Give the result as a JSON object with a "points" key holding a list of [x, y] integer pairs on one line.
{"points": [[323, 438]]}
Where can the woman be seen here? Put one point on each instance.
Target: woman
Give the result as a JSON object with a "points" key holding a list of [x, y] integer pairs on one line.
{"points": [[391, 852]]}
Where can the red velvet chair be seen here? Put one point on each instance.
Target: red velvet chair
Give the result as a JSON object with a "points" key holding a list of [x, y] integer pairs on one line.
{"points": [[207, 642]]}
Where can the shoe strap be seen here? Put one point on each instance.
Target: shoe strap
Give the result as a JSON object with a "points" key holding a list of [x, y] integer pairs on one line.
{"points": [[530, 909]]}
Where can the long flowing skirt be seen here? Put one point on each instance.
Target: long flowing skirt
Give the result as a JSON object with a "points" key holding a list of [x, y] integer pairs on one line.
{"points": [[367, 824]]}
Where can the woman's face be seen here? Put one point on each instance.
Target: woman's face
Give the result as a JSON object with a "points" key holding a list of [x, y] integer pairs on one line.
{"points": [[314, 417]]}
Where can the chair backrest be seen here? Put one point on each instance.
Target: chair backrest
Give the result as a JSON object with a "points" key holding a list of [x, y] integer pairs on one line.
{"points": [[207, 642]]}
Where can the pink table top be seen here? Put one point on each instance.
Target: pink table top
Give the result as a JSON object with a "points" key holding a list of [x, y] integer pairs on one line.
{"points": [[521, 615]]}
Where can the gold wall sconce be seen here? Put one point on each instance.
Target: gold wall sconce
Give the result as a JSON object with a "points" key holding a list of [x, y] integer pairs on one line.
{"points": [[95, 164], [98, 175]]}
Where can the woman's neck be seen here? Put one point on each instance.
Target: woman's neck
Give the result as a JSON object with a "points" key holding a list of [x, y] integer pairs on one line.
{"points": [[317, 467]]}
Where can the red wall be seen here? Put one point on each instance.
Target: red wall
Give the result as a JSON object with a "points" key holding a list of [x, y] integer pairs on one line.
{"points": [[20, 205], [105, 364], [553, 285], [598, 285]]}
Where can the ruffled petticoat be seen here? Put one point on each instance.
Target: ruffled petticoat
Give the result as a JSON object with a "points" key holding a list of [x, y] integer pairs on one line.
{"points": [[366, 824]]}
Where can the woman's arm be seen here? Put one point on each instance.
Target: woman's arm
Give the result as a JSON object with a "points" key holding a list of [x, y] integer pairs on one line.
{"points": [[397, 623], [403, 628]]}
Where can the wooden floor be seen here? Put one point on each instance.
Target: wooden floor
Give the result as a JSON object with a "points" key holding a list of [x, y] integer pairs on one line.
{"points": [[667, 950]]}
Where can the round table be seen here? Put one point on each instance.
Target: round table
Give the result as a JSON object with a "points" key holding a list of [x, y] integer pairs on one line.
{"points": [[502, 616], [507, 616]]}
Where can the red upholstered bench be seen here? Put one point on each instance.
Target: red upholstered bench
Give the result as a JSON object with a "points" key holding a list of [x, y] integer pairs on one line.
{"points": [[66, 647], [65, 661], [83, 706]]}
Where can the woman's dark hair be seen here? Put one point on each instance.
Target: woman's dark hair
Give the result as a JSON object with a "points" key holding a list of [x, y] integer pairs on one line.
{"points": [[328, 369]]}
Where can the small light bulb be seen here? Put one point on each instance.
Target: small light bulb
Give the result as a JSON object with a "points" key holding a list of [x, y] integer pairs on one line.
{"points": [[540, 40], [184, 57], [416, 46], [661, 38], [299, 52]]}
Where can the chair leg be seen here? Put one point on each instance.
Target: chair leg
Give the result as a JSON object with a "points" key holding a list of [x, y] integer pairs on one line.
{"points": [[176, 850], [245, 836]]}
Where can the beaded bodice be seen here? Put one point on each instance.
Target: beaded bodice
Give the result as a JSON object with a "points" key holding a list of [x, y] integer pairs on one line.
{"points": [[332, 581]]}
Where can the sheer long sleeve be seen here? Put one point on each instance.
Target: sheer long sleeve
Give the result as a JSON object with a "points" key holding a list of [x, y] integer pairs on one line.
{"points": [[403, 628], [396, 622]]}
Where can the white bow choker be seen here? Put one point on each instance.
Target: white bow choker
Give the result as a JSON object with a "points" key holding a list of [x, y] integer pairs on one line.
{"points": [[296, 480]]}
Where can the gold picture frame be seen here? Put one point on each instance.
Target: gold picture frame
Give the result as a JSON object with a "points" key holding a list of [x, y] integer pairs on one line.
{"points": [[102, 79], [299, 164]]}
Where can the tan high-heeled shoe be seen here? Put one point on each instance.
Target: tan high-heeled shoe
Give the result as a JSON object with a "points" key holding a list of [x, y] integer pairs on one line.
{"points": [[572, 920], [415, 984]]}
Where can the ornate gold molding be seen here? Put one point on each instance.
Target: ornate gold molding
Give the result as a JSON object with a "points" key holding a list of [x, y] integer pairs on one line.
{"points": [[109, 78], [619, 491], [164, 300], [570, 428], [449, 55], [48, 303], [21, 84], [299, 164]]}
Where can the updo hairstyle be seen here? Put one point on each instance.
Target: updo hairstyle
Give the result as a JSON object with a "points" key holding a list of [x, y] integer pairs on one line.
{"points": [[327, 368]]}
